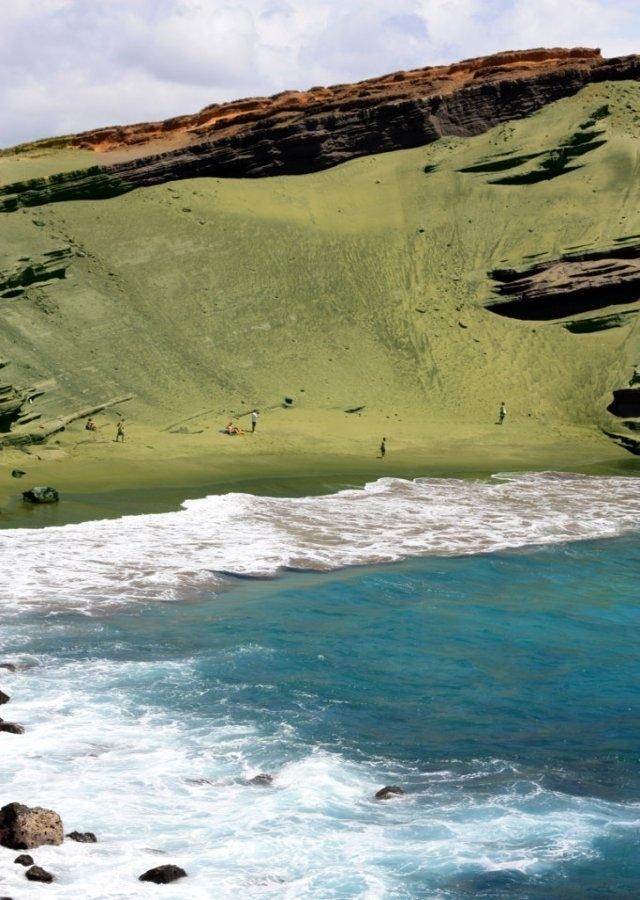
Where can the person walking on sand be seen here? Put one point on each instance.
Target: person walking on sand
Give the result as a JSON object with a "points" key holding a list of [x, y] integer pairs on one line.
{"points": [[120, 431], [383, 448], [254, 420], [503, 412]]}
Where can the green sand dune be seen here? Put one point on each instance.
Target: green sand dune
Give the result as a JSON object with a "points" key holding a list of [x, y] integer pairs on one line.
{"points": [[362, 286]]}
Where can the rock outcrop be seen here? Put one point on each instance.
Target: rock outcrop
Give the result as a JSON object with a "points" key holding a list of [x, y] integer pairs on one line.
{"points": [[83, 837], [297, 132], [37, 873], [261, 780], [571, 285], [11, 727], [163, 874], [41, 494], [388, 792], [24, 828]]}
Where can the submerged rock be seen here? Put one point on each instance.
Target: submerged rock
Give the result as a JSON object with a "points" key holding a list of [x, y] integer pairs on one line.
{"points": [[261, 780], [389, 791], [41, 494], [35, 873], [11, 727], [23, 827], [4, 698], [10, 667], [83, 837], [163, 874], [24, 860]]}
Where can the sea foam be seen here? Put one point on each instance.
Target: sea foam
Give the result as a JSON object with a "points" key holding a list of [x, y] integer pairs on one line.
{"points": [[163, 556]]}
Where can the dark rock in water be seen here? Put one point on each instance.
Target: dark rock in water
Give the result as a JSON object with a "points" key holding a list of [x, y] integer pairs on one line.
{"points": [[262, 780], [24, 860], [41, 494], [11, 727], [17, 473], [83, 837], [10, 667], [288, 401], [23, 827], [35, 873], [4, 698], [391, 790], [163, 874]]}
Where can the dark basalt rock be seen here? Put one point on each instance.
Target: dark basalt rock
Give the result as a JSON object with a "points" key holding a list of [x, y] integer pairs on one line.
{"points": [[24, 860], [11, 727], [163, 874], [626, 402], [83, 837], [24, 828], [4, 698], [388, 792], [10, 667], [17, 473], [35, 873], [41, 494], [573, 284], [261, 780]]}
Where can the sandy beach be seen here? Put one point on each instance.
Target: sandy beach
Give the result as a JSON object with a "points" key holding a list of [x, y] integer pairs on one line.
{"points": [[293, 452]]}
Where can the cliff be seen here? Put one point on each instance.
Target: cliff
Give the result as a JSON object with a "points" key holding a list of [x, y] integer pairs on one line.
{"points": [[298, 132]]}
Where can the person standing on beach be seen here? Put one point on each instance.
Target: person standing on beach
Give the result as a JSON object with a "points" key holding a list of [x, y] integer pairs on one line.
{"points": [[120, 431], [503, 412], [254, 420], [383, 447]]}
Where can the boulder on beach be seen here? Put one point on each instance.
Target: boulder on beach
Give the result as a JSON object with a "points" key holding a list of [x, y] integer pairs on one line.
{"points": [[163, 874], [11, 727], [4, 698], [83, 837], [261, 780], [36, 873], [41, 494], [24, 860], [389, 791], [17, 473], [23, 827]]}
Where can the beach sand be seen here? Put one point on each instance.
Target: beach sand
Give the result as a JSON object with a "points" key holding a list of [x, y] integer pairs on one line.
{"points": [[293, 453], [362, 286]]}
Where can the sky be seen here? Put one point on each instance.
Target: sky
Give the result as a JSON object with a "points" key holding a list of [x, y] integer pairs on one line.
{"points": [[72, 65]]}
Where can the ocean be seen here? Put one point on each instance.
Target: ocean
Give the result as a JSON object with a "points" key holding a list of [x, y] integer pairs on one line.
{"points": [[471, 642]]}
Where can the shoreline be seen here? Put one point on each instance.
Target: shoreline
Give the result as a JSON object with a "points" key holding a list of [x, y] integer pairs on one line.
{"points": [[101, 479]]}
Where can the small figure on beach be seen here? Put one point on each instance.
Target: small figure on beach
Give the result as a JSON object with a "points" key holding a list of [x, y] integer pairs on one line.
{"points": [[233, 429], [503, 412], [383, 448], [120, 431], [254, 420], [91, 425]]}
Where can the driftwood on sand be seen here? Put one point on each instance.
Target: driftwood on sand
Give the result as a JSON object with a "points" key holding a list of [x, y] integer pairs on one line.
{"points": [[53, 426]]}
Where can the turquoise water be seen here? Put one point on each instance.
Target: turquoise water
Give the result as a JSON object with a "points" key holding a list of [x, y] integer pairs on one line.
{"points": [[499, 690]]}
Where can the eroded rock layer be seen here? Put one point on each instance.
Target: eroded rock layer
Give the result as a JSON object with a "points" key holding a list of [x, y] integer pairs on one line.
{"points": [[574, 284], [298, 132]]}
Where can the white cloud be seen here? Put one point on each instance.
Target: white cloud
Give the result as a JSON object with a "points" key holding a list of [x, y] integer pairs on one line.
{"points": [[69, 65]]}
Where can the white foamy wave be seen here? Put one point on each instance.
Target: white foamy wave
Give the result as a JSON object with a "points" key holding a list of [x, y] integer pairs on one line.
{"points": [[158, 556], [159, 786]]}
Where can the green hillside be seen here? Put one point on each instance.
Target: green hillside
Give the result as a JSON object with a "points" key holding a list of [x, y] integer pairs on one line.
{"points": [[362, 286]]}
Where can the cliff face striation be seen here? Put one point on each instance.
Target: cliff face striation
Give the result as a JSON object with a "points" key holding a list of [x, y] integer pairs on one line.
{"points": [[298, 132]]}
